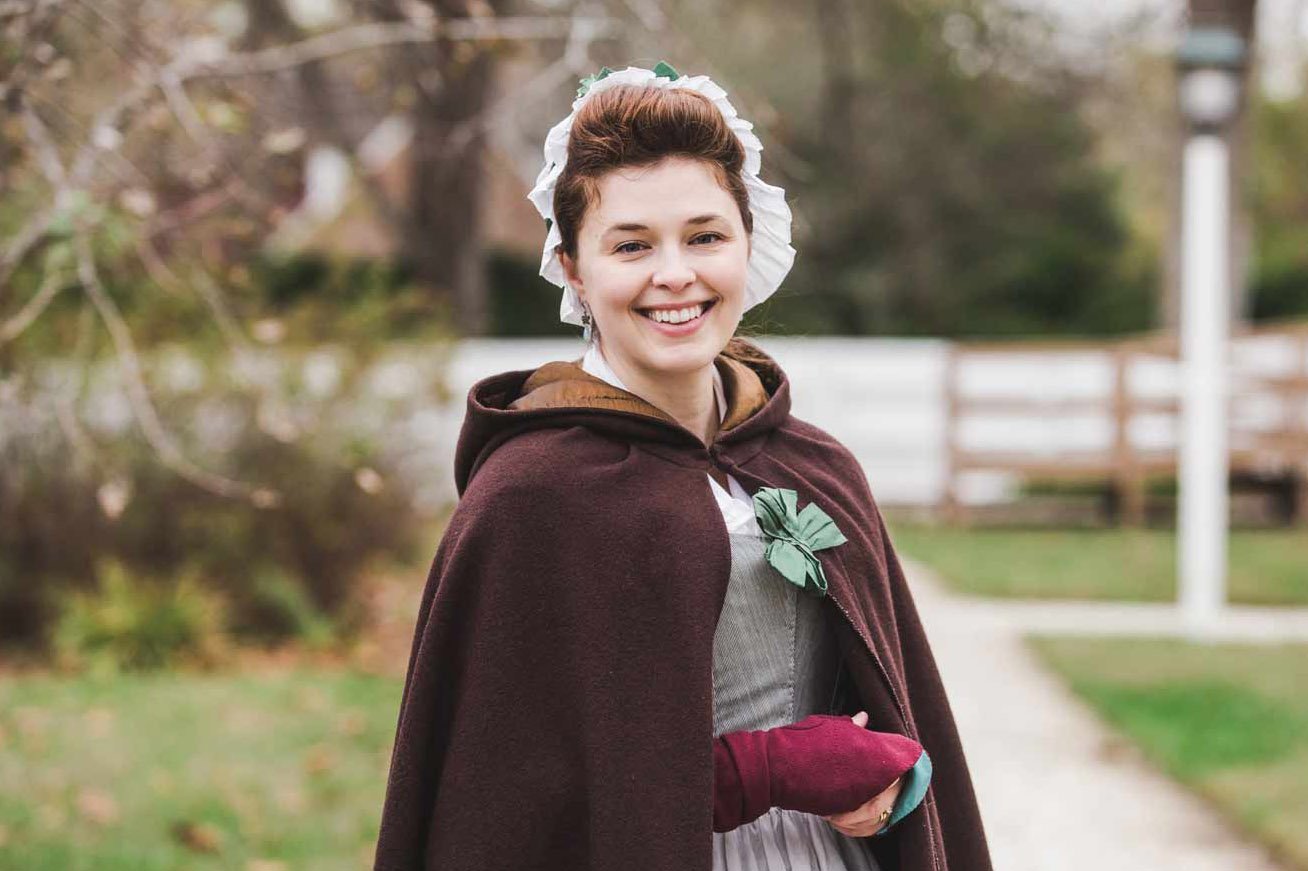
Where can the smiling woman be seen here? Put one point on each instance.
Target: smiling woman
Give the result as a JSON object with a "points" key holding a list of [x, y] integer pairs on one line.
{"points": [[620, 659]]}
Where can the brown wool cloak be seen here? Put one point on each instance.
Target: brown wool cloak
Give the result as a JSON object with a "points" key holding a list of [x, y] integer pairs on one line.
{"points": [[557, 713]]}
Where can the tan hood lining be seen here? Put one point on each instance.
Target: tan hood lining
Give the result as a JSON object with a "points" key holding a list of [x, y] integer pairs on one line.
{"points": [[565, 384]]}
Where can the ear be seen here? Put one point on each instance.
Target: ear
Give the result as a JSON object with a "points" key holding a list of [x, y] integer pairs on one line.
{"points": [[570, 271]]}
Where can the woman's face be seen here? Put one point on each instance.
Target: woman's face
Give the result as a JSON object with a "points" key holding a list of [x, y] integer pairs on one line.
{"points": [[665, 241]]}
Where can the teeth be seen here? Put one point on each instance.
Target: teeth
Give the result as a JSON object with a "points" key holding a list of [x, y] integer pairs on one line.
{"points": [[675, 316]]}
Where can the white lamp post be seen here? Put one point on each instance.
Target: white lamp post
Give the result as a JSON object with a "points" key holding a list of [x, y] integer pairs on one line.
{"points": [[1210, 62]]}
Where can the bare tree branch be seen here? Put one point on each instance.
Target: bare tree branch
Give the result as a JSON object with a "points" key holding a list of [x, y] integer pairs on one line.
{"points": [[212, 294], [74, 179], [575, 59], [65, 401], [105, 131], [652, 14], [138, 395], [124, 167], [203, 286], [170, 84], [145, 46], [186, 212], [377, 35], [53, 282], [29, 31], [125, 350], [29, 238], [174, 91], [47, 154]]}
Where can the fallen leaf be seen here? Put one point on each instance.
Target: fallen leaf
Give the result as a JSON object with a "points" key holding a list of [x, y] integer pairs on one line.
{"points": [[320, 759], [200, 837], [352, 722], [99, 722], [97, 806], [290, 798]]}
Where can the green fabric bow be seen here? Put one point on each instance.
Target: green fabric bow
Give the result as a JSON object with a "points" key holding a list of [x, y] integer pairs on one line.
{"points": [[793, 536], [662, 70]]}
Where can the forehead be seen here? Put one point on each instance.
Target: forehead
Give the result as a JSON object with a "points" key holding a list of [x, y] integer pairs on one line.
{"points": [[669, 192]]}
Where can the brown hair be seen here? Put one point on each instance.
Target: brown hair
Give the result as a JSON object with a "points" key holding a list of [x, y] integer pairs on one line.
{"points": [[639, 125]]}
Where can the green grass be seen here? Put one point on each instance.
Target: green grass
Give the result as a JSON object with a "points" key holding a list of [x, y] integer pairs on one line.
{"points": [[1266, 567], [169, 771], [1228, 721]]}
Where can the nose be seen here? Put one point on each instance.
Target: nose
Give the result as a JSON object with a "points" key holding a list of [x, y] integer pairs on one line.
{"points": [[673, 271]]}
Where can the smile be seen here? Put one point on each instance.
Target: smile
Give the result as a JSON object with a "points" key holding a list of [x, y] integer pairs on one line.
{"points": [[678, 316]]}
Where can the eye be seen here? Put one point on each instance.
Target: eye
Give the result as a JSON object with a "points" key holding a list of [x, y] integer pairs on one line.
{"points": [[711, 236]]}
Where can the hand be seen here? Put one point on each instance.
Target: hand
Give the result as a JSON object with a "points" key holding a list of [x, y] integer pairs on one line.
{"points": [[863, 820]]}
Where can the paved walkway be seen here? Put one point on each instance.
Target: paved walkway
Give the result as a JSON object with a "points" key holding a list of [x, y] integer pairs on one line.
{"points": [[1238, 623], [1058, 790]]}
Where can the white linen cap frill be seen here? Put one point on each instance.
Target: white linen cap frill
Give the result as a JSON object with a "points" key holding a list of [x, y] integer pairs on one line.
{"points": [[771, 255]]}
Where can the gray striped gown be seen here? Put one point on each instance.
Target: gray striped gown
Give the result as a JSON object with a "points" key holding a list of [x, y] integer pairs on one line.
{"points": [[775, 662]]}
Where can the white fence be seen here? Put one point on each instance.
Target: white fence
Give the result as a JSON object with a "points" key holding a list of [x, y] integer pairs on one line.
{"points": [[1058, 407]]}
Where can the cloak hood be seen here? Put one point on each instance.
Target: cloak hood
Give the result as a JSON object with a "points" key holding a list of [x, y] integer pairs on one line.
{"points": [[561, 392], [557, 711]]}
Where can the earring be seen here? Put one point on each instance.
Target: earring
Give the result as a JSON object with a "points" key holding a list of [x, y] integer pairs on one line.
{"points": [[586, 322]]}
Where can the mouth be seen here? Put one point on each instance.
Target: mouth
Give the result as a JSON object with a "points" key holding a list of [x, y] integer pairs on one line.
{"points": [[678, 321]]}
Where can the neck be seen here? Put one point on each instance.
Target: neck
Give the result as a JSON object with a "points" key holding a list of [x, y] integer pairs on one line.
{"points": [[687, 396]]}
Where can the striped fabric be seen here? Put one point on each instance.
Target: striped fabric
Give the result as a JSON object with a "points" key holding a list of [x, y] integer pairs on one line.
{"points": [[775, 662]]}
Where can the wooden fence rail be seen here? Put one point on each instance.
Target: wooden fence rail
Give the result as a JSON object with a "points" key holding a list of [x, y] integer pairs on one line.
{"points": [[1125, 391]]}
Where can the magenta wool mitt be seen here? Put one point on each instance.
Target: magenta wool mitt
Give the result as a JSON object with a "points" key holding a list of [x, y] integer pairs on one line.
{"points": [[824, 764]]}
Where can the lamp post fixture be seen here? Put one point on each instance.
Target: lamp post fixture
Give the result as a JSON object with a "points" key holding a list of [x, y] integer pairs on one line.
{"points": [[1210, 64]]}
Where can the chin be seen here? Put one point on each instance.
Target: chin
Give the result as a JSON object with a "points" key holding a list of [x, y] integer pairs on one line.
{"points": [[685, 359]]}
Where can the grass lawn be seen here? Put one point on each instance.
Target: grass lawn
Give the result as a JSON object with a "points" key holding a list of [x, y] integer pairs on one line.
{"points": [[1229, 721], [255, 772], [1267, 567]]}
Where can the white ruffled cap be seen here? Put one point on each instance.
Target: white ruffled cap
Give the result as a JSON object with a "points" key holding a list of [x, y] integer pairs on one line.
{"points": [[771, 255]]}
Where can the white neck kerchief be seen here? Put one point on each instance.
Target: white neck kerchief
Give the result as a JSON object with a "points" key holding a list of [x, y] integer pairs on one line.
{"points": [[594, 363]]}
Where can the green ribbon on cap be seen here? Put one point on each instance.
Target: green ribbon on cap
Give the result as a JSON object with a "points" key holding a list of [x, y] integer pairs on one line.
{"points": [[663, 70]]}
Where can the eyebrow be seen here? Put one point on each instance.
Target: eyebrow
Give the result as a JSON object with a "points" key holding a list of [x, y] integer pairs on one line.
{"points": [[698, 219]]}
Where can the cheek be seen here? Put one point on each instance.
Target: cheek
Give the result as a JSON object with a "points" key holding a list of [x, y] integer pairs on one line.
{"points": [[615, 289], [729, 278]]}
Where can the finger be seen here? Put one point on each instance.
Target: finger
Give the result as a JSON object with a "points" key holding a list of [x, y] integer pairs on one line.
{"points": [[868, 815], [856, 817], [853, 815], [858, 831], [860, 719]]}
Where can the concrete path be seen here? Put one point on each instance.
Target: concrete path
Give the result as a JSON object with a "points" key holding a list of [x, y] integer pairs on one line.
{"points": [[1238, 623], [1074, 797]]}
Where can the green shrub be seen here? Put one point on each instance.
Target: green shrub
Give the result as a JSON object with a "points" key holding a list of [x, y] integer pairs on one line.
{"points": [[132, 623], [276, 606], [352, 447]]}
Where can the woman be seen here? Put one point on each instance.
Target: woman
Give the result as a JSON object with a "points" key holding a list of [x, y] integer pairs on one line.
{"points": [[661, 595]]}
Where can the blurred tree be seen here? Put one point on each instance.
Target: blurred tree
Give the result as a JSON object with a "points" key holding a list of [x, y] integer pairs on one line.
{"points": [[1278, 198], [957, 187], [943, 179], [148, 151], [443, 86]]}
